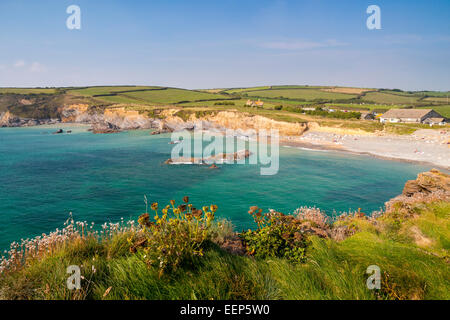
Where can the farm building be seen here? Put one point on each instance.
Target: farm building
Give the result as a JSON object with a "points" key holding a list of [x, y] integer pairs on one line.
{"points": [[367, 116], [435, 121], [252, 103], [409, 115]]}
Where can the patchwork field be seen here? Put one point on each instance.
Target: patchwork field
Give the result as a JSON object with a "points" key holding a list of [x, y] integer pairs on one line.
{"points": [[304, 94], [388, 98], [27, 90]]}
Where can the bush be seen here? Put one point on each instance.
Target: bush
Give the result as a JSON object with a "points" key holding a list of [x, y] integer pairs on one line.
{"points": [[176, 236], [280, 107], [278, 235], [224, 103]]}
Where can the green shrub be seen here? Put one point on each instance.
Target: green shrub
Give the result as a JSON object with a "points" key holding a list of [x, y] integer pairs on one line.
{"points": [[176, 236], [278, 235]]}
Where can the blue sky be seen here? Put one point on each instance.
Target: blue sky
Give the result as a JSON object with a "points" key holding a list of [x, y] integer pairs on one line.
{"points": [[228, 43]]}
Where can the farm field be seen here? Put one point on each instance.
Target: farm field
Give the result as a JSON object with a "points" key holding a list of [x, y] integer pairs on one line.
{"points": [[27, 90], [305, 94], [93, 91], [348, 90], [438, 99], [173, 96], [443, 110], [388, 98]]}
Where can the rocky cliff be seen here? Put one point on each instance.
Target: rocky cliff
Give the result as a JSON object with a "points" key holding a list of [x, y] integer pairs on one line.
{"points": [[430, 186], [171, 119]]}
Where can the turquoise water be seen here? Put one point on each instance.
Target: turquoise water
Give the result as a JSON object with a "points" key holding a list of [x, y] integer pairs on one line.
{"points": [[102, 178]]}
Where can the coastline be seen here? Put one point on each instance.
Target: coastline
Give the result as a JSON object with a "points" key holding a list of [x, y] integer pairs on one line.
{"points": [[436, 151], [426, 146]]}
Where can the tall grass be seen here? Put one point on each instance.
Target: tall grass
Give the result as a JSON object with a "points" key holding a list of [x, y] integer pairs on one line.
{"points": [[333, 269]]}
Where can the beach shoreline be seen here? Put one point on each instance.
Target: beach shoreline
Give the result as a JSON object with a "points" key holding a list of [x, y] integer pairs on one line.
{"points": [[427, 147]]}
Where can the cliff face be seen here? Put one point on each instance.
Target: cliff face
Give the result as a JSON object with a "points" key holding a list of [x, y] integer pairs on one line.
{"points": [[169, 120], [117, 117], [7, 119], [430, 186]]}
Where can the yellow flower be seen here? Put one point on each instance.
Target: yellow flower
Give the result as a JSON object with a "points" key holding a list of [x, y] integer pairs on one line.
{"points": [[176, 211], [172, 202], [164, 211], [186, 199], [205, 209], [213, 208], [154, 206]]}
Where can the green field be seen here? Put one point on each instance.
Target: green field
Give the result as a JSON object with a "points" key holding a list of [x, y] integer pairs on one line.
{"points": [[388, 98], [27, 90], [443, 110], [303, 94], [93, 91], [172, 95]]}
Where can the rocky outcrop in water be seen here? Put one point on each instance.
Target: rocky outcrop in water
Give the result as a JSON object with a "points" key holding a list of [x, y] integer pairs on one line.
{"points": [[220, 158], [430, 186], [428, 182], [105, 127]]}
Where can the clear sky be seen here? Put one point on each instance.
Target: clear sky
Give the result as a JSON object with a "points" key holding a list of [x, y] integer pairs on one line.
{"points": [[227, 43]]}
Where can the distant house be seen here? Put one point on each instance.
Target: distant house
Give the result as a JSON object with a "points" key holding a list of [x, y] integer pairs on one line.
{"points": [[367, 116], [252, 103], [409, 115], [435, 121]]}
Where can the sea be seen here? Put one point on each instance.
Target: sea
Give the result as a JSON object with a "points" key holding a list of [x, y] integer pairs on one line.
{"points": [[104, 177]]}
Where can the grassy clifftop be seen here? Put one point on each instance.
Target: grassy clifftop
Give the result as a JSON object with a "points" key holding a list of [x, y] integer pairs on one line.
{"points": [[180, 252]]}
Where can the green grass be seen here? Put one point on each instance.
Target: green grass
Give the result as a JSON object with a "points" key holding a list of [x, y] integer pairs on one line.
{"points": [[443, 110], [92, 91], [173, 96], [305, 94], [388, 98]]}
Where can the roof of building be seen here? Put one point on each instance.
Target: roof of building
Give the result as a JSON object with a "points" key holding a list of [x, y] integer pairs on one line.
{"points": [[406, 113], [435, 119]]}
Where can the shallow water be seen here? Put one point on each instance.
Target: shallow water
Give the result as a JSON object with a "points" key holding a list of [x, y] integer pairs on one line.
{"points": [[102, 178]]}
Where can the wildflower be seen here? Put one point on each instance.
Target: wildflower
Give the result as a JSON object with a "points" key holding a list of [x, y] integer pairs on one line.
{"points": [[176, 211], [253, 209], [198, 214], [154, 206], [164, 211], [214, 208], [172, 202], [186, 199], [205, 209], [143, 220], [182, 207]]}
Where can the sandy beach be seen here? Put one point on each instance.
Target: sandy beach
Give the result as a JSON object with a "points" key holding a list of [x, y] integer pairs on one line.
{"points": [[424, 146]]}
